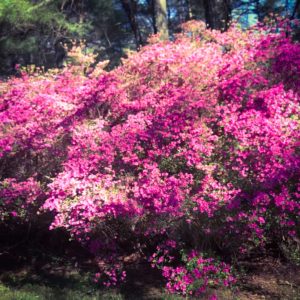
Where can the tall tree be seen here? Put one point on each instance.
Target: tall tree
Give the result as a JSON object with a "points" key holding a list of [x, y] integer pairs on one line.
{"points": [[217, 13], [196, 9], [296, 8], [161, 18], [28, 29], [130, 7]]}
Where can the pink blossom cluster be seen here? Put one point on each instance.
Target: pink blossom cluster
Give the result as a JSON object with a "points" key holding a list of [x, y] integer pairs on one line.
{"points": [[191, 139], [189, 274], [34, 110], [111, 273], [165, 254], [18, 199], [194, 274]]}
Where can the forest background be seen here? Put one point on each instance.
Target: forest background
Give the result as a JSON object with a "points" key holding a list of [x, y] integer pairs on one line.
{"points": [[36, 32]]}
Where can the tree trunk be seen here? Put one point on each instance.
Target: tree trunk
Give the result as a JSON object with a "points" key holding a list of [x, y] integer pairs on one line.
{"points": [[189, 14], [197, 10], [161, 19], [217, 13], [296, 8], [258, 7], [151, 4], [129, 7]]}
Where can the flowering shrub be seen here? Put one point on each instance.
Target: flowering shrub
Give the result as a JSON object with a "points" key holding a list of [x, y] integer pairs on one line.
{"points": [[197, 274], [195, 140], [189, 274]]}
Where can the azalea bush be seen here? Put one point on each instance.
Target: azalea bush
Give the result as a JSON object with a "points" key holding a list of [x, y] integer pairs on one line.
{"points": [[194, 141], [193, 273]]}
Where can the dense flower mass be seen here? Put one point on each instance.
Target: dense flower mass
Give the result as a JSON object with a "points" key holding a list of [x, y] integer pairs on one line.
{"points": [[19, 198], [195, 140]]}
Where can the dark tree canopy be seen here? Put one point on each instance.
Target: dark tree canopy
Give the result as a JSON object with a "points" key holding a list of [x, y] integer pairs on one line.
{"points": [[35, 32]]}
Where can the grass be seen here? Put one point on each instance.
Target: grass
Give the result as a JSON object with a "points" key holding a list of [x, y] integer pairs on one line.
{"points": [[34, 291]]}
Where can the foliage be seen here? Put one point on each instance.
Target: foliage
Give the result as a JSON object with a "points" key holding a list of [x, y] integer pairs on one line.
{"points": [[22, 14], [195, 140], [194, 274], [28, 29]]}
